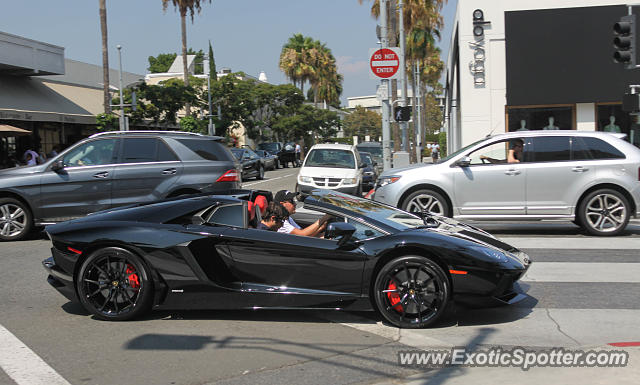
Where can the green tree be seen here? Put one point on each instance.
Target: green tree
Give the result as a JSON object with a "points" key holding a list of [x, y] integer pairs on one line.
{"points": [[184, 7], [212, 64], [161, 63], [308, 122], [106, 122], [295, 60], [362, 122]]}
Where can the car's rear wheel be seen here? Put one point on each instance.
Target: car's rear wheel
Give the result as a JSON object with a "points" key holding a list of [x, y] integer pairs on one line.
{"points": [[428, 200], [15, 220], [604, 212], [114, 284], [411, 291], [260, 172]]}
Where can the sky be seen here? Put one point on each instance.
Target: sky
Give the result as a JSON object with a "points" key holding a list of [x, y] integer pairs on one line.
{"points": [[246, 35]]}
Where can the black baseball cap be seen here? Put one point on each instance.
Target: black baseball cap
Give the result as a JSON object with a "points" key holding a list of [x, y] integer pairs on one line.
{"points": [[285, 195]]}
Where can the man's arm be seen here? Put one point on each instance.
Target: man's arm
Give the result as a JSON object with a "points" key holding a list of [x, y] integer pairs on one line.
{"points": [[310, 231]]}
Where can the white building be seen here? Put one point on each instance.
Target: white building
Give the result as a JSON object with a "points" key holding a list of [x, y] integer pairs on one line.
{"points": [[532, 64]]}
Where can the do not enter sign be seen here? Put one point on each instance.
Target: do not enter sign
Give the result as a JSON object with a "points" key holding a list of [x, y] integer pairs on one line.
{"points": [[384, 63]]}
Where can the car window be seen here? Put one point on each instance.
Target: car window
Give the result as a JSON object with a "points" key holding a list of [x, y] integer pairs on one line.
{"points": [[137, 150], [598, 148], [94, 153], [551, 149], [230, 215], [252, 154], [494, 153], [164, 153], [363, 231], [329, 157], [207, 149], [366, 158]]}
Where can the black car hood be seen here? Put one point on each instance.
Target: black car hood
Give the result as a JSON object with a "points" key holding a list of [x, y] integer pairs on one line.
{"points": [[457, 229]]}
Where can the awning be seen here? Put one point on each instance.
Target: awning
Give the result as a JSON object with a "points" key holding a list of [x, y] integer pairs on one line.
{"points": [[7, 130]]}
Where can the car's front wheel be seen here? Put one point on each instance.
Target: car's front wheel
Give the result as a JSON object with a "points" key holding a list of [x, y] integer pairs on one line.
{"points": [[15, 220], [260, 173], [604, 212], [114, 284], [426, 200], [411, 291]]}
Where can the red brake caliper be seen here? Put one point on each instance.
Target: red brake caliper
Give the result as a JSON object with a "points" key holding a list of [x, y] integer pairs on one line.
{"points": [[394, 297], [132, 277]]}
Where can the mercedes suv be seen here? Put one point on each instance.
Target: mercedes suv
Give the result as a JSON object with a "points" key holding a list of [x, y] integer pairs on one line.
{"points": [[113, 169], [590, 178]]}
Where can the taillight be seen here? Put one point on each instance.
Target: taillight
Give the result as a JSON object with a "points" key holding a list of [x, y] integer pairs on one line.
{"points": [[229, 176]]}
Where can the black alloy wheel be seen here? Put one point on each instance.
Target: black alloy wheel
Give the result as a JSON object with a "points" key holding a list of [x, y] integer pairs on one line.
{"points": [[411, 292], [15, 220], [428, 200], [260, 173], [604, 212], [114, 284]]}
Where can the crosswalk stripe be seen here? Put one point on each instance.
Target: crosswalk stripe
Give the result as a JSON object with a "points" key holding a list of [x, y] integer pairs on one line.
{"points": [[24, 366], [619, 243], [583, 272]]}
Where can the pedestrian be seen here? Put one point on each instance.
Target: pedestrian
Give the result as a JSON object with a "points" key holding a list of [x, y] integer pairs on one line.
{"points": [[297, 150], [435, 153]]}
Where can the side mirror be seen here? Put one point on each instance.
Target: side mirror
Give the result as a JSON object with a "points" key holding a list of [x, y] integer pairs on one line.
{"points": [[340, 229], [464, 162], [57, 165]]}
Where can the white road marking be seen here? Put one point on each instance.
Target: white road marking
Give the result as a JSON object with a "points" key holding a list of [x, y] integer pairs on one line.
{"points": [[605, 243], [23, 365], [583, 272], [266, 180]]}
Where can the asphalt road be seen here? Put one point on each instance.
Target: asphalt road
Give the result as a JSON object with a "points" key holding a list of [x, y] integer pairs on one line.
{"points": [[568, 305]]}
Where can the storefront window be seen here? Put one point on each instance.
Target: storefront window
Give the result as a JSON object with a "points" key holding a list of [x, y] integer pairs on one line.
{"points": [[611, 118], [541, 118]]}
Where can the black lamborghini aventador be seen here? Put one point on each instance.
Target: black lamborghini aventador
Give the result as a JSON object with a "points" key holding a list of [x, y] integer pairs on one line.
{"points": [[203, 253]]}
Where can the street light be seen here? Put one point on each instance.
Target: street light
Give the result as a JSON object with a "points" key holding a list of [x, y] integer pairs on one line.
{"points": [[123, 125]]}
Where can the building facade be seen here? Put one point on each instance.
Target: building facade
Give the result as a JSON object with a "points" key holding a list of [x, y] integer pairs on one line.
{"points": [[535, 64]]}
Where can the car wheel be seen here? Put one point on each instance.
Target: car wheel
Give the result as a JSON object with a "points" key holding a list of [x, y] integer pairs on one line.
{"points": [[15, 220], [277, 164], [604, 212], [260, 173], [114, 284], [428, 200], [411, 291]]}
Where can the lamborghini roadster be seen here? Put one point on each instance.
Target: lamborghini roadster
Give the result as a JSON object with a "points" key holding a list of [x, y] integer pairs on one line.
{"points": [[203, 252]]}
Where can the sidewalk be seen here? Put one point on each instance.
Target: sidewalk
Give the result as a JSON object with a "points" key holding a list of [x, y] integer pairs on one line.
{"points": [[535, 376]]}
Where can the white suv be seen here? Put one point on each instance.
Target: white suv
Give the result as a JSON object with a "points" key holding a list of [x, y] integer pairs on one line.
{"points": [[333, 167]]}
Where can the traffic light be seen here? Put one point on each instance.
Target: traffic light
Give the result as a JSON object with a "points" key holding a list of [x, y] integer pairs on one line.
{"points": [[402, 114], [625, 41]]}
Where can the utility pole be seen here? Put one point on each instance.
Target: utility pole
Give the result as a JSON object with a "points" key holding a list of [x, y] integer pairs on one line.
{"points": [[386, 108], [123, 125], [211, 128], [418, 103], [403, 80]]}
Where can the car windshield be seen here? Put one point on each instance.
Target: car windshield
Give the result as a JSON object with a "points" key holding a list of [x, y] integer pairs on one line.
{"points": [[460, 151], [269, 146], [366, 158], [261, 153], [373, 150], [329, 157], [390, 216], [237, 153]]}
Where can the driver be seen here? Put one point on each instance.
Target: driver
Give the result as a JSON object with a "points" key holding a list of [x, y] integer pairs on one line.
{"points": [[287, 199]]}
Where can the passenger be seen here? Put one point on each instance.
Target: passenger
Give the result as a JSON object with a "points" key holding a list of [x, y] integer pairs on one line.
{"points": [[275, 215], [288, 200]]}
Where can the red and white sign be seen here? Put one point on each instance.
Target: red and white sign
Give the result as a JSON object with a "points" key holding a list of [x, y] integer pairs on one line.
{"points": [[384, 63]]}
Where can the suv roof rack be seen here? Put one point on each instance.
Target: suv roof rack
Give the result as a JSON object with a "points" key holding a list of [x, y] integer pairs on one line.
{"points": [[154, 132]]}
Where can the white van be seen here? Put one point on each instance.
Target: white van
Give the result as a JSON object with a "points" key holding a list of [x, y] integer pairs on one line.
{"points": [[333, 167]]}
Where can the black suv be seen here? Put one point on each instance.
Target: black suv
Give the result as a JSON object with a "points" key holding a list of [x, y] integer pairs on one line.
{"points": [[113, 169], [285, 152]]}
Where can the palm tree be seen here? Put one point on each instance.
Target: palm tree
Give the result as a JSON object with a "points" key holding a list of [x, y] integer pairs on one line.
{"points": [[295, 59], [105, 57], [184, 7]]}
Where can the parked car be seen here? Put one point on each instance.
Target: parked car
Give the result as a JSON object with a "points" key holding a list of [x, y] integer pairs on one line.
{"points": [[332, 166], [112, 169], [590, 178], [269, 160], [284, 152], [252, 166], [375, 149], [369, 173], [200, 252]]}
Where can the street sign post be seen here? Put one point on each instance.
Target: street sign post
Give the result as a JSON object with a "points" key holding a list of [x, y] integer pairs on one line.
{"points": [[384, 63]]}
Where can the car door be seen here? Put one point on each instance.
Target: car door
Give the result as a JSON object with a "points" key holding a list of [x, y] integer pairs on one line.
{"points": [[253, 160], [84, 184], [554, 179], [310, 271], [146, 171], [490, 186]]}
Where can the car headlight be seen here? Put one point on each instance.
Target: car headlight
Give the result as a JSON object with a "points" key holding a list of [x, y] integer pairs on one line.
{"points": [[306, 179], [350, 181], [385, 180], [494, 255]]}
